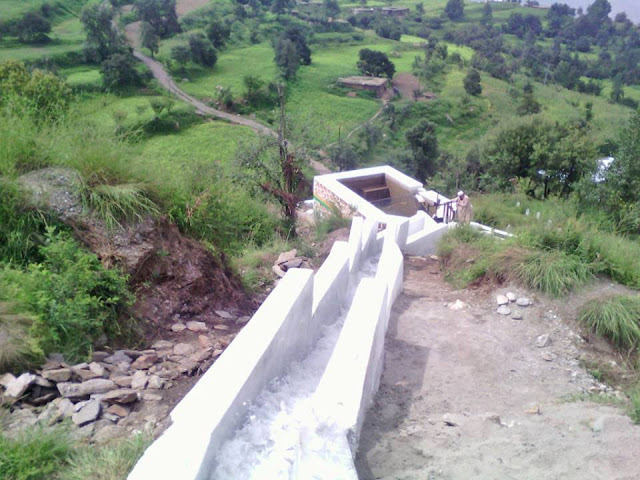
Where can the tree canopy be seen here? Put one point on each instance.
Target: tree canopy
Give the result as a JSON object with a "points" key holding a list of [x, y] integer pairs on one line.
{"points": [[375, 63]]}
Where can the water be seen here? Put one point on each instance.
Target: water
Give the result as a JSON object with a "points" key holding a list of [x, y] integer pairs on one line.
{"points": [[267, 446]]}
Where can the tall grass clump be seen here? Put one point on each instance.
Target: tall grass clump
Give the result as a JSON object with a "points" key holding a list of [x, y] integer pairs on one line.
{"points": [[36, 454], [115, 203], [14, 338], [109, 462], [616, 318], [552, 272], [634, 410]]}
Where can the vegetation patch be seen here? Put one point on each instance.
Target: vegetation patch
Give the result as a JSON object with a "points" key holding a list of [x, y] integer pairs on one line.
{"points": [[616, 318]]}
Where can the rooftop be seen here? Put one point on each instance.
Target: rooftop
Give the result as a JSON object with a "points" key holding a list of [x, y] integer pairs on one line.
{"points": [[364, 81]]}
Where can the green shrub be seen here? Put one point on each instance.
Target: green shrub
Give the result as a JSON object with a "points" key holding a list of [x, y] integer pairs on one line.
{"points": [[634, 411], [616, 318], [224, 216], [71, 297], [36, 454], [14, 338]]}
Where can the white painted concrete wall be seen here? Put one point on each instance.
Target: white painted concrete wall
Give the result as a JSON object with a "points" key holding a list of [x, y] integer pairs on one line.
{"points": [[331, 285], [217, 404], [426, 241]]}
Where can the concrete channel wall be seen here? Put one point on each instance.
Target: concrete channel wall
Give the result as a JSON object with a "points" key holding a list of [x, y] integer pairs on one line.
{"points": [[283, 330]]}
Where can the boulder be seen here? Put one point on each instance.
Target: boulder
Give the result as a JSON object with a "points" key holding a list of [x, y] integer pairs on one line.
{"points": [[84, 389], [118, 410], [504, 310], [286, 256], [143, 362], [502, 300], [122, 380], [278, 271], [197, 326], [57, 375], [18, 386], [155, 382], [204, 341], [139, 380], [178, 327], [183, 349], [511, 296], [118, 357], [85, 375], [87, 414], [523, 302], [6, 379], [162, 345], [120, 396], [98, 369], [220, 327], [242, 320], [543, 340], [224, 314]]}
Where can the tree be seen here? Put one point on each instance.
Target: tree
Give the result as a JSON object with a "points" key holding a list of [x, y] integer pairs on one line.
{"points": [[487, 14], [617, 91], [33, 27], [291, 51], [42, 94], [454, 9], [281, 6], [181, 54], [218, 33], [287, 58], [472, 83], [375, 63], [420, 8], [103, 38], [553, 156], [119, 70], [331, 8], [274, 166], [202, 51], [149, 38], [160, 14], [343, 156], [529, 104], [424, 145]]}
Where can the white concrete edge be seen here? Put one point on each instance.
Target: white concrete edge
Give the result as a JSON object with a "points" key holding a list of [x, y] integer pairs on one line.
{"points": [[369, 234], [416, 222], [331, 286], [425, 242], [352, 374], [261, 351], [391, 271], [398, 227], [492, 231], [355, 244]]}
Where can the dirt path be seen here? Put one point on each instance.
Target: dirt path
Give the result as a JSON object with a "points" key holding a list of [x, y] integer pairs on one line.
{"points": [[504, 398]]}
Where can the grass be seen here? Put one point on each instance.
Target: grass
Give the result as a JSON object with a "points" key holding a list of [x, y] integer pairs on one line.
{"points": [[13, 337], [36, 454], [616, 318], [116, 203], [45, 454]]}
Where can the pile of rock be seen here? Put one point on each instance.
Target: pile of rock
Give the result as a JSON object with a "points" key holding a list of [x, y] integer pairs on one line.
{"points": [[505, 300], [108, 387], [287, 260]]}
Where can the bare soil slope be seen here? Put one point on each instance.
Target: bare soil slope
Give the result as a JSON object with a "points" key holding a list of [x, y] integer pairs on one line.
{"points": [[469, 394]]}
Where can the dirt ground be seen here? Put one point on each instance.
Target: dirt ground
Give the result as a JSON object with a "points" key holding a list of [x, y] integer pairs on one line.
{"points": [[468, 394], [407, 83]]}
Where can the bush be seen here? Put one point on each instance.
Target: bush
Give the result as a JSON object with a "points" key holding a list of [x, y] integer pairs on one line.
{"points": [[616, 318], [72, 298]]}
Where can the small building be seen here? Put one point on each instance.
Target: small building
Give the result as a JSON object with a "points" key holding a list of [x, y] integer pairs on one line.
{"points": [[395, 11], [375, 84]]}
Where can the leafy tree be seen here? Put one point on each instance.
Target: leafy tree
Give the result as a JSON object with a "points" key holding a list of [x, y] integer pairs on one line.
{"points": [[529, 104], [343, 156], [388, 28], [103, 38], [558, 17], [487, 13], [160, 14], [287, 58], [375, 63], [424, 145], [119, 70], [617, 91], [331, 8], [420, 8], [291, 51], [202, 51], [181, 54], [149, 38], [472, 83], [454, 9], [281, 6], [218, 33], [553, 156], [33, 27]]}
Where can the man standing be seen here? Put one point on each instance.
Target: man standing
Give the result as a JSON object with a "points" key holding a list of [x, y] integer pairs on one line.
{"points": [[463, 208]]}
